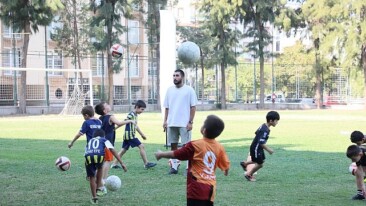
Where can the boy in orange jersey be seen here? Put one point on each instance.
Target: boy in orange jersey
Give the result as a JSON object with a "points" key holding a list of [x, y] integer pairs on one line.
{"points": [[204, 156]]}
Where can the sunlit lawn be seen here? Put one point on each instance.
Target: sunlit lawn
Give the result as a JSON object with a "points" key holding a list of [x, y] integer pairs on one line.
{"points": [[309, 166]]}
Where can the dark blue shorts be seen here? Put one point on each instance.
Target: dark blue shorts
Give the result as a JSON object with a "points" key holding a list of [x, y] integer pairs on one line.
{"points": [[257, 156], [135, 142], [92, 164]]}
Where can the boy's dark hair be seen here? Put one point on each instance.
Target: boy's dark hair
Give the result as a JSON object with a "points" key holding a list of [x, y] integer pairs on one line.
{"points": [[214, 126], [353, 151], [99, 108], [180, 71], [140, 104], [88, 110], [272, 115], [99, 133], [357, 136]]}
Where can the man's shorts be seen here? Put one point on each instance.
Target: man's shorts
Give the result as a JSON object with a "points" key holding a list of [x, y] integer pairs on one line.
{"points": [[92, 164], [175, 132], [257, 156], [135, 142], [108, 156]]}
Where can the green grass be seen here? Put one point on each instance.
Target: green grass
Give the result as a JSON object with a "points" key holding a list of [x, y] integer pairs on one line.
{"points": [[309, 166]]}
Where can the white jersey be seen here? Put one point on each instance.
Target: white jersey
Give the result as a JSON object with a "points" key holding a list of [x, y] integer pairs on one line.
{"points": [[179, 102]]}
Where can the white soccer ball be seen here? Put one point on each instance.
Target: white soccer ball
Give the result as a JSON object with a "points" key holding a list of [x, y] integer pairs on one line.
{"points": [[352, 168], [188, 52], [116, 50], [113, 183], [63, 163]]}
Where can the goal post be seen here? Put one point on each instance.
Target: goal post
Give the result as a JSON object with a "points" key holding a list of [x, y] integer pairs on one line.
{"points": [[47, 87]]}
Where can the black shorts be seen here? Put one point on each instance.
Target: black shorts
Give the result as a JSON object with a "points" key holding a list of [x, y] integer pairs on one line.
{"points": [[257, 156], [193, 202]]}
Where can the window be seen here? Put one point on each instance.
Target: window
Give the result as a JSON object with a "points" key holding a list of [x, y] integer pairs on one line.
{"points": [[278, 46], [136, 92], [134, 66], [53, 26], [152, 68], [54, 61], [8, 60], [154, 53], [8, 32], [98, 65], [133, 32]]}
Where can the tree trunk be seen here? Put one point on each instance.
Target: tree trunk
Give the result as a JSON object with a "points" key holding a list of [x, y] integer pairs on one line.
{"points": [[363, 59], [203, 77], [109, 60], [223, 64], [76, 47], [23, 74], [157, 47]]}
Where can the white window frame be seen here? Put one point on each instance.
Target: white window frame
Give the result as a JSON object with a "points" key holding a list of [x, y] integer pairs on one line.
{"points": [[134, 65], [8, 32], [97, 65], [133, 32], [8, 60], [51, 28], [55, 61]]}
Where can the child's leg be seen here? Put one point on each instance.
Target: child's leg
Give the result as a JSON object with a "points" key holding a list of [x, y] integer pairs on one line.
{"points": [[105, 169], [93, 186], [254, 169], [143, 153], [99, 177], [120, 154]]}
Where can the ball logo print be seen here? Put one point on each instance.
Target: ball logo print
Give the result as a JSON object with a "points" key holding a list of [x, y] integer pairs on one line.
{"points": [[188, 52], [116, 50], [63, 163], [113, 183]]}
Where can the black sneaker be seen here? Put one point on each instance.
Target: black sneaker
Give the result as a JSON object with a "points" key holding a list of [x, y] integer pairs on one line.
{"points": [[173, 171], [358, 197], [150, 165], [242, 164], [116, 167], [94, 201]]}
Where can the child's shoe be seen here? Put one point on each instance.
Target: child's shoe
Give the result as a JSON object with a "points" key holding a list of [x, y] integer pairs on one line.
{"points": [[250, 178], [94, 201], [242, 164], [358, 197]]}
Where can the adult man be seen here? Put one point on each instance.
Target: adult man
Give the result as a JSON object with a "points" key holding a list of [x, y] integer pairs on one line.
{"points": [[180, 107]]}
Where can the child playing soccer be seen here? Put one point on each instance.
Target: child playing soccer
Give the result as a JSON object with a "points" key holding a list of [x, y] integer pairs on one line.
{"points": [[358, 138], [130, 139], [259, 145], [358, 155], [108, 125], [94, 158], [203, 156]]}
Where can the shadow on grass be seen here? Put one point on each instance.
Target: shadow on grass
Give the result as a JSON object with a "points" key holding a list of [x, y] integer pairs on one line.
{"points": [[289, 177]]}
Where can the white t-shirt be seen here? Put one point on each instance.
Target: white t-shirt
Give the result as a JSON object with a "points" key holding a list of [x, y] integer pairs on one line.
{"points": [[179, 102]]}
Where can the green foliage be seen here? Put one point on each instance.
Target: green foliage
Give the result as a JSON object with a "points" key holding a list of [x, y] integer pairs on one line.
{"points": [[17, 13]]}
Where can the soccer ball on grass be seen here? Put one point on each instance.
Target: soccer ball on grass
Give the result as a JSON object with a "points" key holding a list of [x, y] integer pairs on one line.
{"points": [[352, 168], [63, 163], [188, 52], [113, 183]]}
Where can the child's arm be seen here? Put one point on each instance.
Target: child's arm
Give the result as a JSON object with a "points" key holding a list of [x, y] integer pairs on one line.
{"points": [[265, 147], [73, 140], [118, 158], [160, 154], [140, 132], [120, 123]]}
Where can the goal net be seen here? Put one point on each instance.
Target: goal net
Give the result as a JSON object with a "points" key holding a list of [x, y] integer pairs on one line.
{"points": [[66, 89]]}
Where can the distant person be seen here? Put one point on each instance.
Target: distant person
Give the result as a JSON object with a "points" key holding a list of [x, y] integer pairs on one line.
{"points": [[274, 97], [180, 108], [108, 125], [130, 139], [259, 144], [204, 156], [94, 159], [358, 155]]}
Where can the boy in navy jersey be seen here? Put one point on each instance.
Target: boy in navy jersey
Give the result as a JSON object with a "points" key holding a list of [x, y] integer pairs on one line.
{"points": [[259, 145], [89, 125], [130, 139], [358, 138], [108, 125], [358, 155], [94, 158]]}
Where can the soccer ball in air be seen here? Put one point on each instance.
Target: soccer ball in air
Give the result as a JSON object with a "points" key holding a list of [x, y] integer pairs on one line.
{"points": [[352, 168], [113, 183], [63, 163], [188, 52], [116, 50]]}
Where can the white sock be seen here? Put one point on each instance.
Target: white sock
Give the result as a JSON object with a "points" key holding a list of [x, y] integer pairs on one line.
{"points": [[174, 163]]}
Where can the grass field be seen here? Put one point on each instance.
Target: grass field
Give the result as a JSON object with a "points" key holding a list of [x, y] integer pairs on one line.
{"points": [[308, 167]]}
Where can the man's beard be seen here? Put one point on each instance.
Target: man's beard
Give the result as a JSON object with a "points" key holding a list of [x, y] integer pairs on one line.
{"points": [[177, 82]]}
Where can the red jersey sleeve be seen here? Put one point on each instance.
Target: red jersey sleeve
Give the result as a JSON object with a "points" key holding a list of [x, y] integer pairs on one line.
{"points": [[185, 153]]}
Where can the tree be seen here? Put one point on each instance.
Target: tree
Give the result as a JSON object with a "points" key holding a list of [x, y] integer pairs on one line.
{"points": [[219, 14], [108, 14], [258, 17], [73, 37], [27, 16], [153, 32]]}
